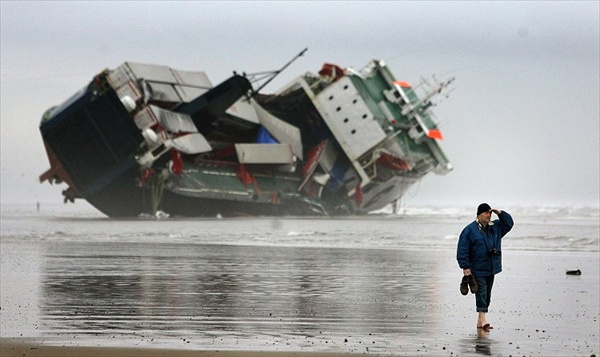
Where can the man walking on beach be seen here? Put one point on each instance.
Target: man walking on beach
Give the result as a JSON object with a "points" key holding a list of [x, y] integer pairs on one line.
{"points": [[479, 254]]}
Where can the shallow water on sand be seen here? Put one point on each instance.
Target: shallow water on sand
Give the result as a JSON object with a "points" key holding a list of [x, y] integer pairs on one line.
{"points": [[377, 285]]}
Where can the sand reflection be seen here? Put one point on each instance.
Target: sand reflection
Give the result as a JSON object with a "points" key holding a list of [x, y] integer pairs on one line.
{"points": [[237, 293]]}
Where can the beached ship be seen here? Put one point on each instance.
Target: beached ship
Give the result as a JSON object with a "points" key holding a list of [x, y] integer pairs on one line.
{"points": [[149, 139]]}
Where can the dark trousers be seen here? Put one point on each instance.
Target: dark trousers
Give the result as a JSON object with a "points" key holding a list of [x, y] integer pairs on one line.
{"points": [[484, 292]]}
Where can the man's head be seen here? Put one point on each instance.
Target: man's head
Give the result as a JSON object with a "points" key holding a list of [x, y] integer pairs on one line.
{"points": [[484, 214]]}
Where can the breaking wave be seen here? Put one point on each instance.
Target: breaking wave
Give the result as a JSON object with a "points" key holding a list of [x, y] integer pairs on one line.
{"points": [[541, 228]]}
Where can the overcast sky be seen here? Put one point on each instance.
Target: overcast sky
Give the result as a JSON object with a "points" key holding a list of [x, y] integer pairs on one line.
{"points": [[521, 126]]}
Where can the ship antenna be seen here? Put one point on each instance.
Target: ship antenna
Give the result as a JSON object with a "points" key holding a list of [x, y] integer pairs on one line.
{"points": [[271, 74]]}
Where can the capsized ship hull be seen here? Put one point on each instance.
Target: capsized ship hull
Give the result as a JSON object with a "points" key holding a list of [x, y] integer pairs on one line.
{"points": [[148, 139]]}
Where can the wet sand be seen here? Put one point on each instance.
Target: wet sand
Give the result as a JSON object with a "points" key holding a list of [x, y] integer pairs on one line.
{"points": [[10, 347], [114, 299]]}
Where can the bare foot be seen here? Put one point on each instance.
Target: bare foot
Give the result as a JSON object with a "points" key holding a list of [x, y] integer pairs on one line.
{"points": [[485, 326], [481, 320]]}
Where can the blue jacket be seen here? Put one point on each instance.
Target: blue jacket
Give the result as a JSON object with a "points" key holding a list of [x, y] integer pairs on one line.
{"points": [[475, 243]]}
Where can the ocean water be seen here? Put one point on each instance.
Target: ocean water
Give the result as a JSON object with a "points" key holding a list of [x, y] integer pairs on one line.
{"points": [[384, 283], [537, 228]]}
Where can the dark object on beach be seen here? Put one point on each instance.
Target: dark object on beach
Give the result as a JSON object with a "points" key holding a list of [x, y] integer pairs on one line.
{"points": [[574, 272]]}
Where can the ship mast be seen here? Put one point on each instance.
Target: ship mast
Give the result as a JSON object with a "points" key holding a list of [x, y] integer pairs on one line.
{"points": [[269, 75]]}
